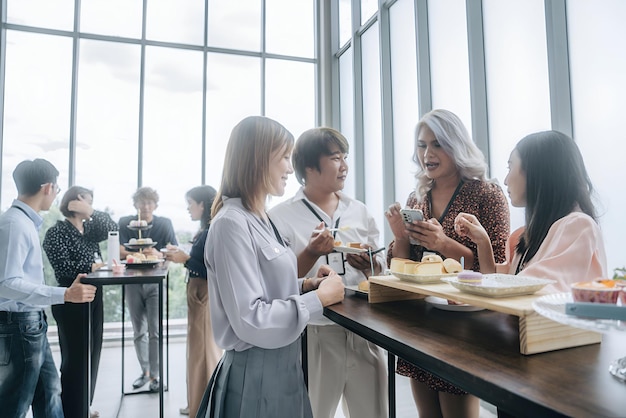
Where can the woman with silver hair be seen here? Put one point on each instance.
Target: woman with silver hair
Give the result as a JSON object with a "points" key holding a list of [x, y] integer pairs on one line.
{"points": [[451, 178]]}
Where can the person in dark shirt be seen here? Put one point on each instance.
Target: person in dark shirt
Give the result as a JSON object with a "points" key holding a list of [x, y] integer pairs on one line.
{"points": [[143, 299], [202, 352], [72, 247]]}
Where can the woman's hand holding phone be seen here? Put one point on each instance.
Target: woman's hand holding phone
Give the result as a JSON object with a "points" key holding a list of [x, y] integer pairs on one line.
{"points": [[409, 216]]}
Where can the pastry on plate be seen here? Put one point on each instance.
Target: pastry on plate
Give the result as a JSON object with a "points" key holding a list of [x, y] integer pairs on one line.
{"points": [[364, 286], [452, 266]]}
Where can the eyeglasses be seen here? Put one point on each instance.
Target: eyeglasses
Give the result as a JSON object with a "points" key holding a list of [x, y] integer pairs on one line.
{"points": [[57, 188]]}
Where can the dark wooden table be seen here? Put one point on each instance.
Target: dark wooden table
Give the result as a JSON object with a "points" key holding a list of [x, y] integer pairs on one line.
{"points": [[130, 276], [479, 352]]}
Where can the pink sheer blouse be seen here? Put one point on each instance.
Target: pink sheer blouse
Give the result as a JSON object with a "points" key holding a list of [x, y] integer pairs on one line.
{"points": [[573, 251]]}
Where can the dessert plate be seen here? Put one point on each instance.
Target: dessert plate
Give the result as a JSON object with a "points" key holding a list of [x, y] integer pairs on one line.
{"points": [[139, 246], [498, 285], [139, 228], [442, 304], [422, 278], [356, 290]]}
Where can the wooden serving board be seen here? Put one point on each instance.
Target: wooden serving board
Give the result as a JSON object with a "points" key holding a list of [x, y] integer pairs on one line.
{"points": [[538, 334]]}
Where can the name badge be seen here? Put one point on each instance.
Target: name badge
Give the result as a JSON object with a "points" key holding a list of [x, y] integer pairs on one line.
{"points": [[336, 262]]}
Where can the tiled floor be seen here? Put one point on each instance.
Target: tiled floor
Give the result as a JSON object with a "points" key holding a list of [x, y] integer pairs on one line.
{"points": [[108, 390]]}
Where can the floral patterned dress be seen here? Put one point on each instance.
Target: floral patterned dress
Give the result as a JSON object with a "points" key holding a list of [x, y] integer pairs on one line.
{"points": [[487, 202]]}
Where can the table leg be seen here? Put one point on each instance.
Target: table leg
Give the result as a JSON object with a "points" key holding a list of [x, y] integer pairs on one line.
{"points": [[86, 359], [161, 350], [305, 358], [123, 347], [167, 330], [391, 381]]}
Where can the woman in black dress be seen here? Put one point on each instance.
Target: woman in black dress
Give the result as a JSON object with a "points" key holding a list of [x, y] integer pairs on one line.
{"points": [[72, 247]]}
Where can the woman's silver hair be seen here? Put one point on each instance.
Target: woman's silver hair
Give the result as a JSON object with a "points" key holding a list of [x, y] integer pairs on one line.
{"points": [[455, 140]]}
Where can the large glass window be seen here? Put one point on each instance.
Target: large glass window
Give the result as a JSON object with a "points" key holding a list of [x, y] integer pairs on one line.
{"points": [[598, 63], [233, 92], [518, 93], [122, 108], [290, 99], [107, 127], [368, 9], [176, 21], [172, 133], [290, 28], [345, 21], [235, 24], [111, 17], [37, 105], [48, 14], [372, 124], [449, 60], [404, 95], [346, 109]]}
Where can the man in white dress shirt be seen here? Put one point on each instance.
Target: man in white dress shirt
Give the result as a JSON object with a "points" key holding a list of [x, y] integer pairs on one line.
{"points": [[340, 363]]}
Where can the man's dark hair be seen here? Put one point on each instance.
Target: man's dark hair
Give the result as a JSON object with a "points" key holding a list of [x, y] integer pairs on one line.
{"points": [[310, 147], [29, 176]]}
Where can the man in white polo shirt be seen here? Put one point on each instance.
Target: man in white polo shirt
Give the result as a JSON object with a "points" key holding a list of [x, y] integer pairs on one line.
{"points": [[340, 363]]}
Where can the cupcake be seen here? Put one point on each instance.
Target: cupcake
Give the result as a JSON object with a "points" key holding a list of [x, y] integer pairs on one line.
{"points": [[596, 291]]}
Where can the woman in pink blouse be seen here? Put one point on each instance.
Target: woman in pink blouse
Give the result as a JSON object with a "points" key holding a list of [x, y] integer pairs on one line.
{"points": [[562, 240]]}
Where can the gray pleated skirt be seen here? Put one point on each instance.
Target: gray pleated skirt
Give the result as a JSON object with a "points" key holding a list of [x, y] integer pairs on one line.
{"points": [[258, 383]]}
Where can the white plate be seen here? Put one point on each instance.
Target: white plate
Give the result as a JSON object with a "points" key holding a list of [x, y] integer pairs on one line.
{"points": [[139, 228], [500, 285], [442, 304], [356, 290], [350, 250], [422, 278], [136, 246], [552, 306]]}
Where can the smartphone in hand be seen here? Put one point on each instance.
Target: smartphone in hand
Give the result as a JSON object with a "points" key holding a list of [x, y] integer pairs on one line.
{"points": [[409, 216], [412, 215]]}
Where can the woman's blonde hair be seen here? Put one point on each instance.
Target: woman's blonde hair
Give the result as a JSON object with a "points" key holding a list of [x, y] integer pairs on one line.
{"points": [[455, 140], [247, 161]]}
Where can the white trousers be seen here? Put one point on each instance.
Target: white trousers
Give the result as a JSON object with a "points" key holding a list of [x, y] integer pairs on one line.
{"points": [[342, 363]]}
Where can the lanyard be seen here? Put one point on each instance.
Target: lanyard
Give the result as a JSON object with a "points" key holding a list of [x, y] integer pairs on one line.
{"points": [[278, 237], [308, 205], [445, 212], [19, 208]]}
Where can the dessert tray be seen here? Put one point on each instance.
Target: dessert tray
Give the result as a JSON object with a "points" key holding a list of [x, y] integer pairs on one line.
{"points": [[500, 285], [139, 228], [350, 250], [422, 278], [553, 306], [145, 264], [139, 246], [537, 333]]}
